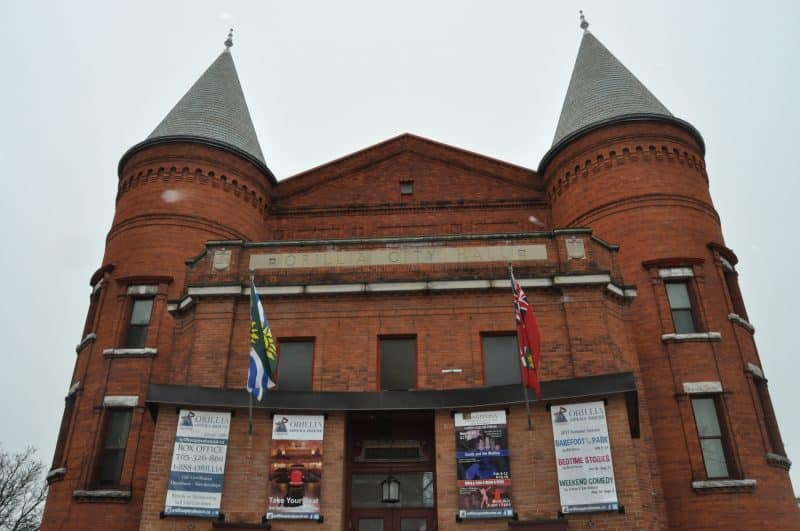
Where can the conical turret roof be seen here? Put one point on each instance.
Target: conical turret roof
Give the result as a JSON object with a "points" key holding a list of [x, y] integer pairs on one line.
{"points": [[213, 111], [601, 88], [603, 91]]}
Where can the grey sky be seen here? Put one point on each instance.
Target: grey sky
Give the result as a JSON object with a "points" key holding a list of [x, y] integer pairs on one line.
{"points": [[85, 81]]}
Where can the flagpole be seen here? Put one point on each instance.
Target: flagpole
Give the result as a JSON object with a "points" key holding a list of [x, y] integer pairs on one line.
{"points": [[250, 416], [522, 379], [250, 394]]}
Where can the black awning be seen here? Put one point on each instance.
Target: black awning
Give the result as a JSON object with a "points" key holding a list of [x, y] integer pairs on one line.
{"points": [[504, 395]]}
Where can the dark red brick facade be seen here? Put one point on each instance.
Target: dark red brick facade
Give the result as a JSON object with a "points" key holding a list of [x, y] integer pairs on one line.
{"points": [[635, 195]]}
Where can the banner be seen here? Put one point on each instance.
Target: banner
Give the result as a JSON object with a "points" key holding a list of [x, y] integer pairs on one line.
{"points": [[198, 464], [583, 458], [295, 475], [484, 478]]}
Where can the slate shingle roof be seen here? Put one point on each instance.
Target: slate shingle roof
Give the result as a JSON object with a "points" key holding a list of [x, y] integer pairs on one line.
{"points": [[214, 108], [601, 88], [601, 92]]}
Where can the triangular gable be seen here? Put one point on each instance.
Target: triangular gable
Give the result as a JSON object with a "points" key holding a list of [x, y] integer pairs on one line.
{"points": [[440, 173]]}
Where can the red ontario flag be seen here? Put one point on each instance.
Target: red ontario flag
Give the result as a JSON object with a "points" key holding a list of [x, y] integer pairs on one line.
{"points": [[528, 339]]}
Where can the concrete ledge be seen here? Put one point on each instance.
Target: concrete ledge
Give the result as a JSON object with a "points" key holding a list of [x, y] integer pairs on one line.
{"points": [[120, 401], [459, 284], [696, 388], [146, 352], [86, 341], [779, 461], [335, 288], [698, 336], [74, 388], [56, 474], [143, 289], [755, 370], [276, 290], [676, 272], [215, 290], [387, 287], [106, 494], [734, 318], [396, 286], [723, 484], [100, 284], [566, 280]]}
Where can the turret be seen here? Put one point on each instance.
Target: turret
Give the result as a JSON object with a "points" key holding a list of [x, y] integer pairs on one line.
{"points": [[199, 176], [624, 165]]}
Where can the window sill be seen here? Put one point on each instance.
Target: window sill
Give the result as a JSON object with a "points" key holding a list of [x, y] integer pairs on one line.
{"points": [[779, 461], [736, 319], [102, 495], [729, 485], [130, 352], [698, 336], [56, 474], [85, 342]]}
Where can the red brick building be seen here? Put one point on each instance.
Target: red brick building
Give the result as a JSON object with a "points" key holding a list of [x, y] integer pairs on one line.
{"points": [[384, 275]]}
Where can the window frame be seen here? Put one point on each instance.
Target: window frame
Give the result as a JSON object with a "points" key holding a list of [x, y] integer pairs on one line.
{"points": [[691, 309], [406, 187], [731, 278], [64, 429], [515, 359], [286, 340], [102, 450], [129, 325], [770, 421], [724, 436], [415, 359]]}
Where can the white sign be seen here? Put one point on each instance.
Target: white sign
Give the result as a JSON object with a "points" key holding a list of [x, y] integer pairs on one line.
{"points": [[297, 427], [583, 458], [198, 464]]}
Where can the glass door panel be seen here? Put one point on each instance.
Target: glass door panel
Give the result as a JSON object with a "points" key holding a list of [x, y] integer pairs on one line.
{"points": [[413, 524], [370, 524]]}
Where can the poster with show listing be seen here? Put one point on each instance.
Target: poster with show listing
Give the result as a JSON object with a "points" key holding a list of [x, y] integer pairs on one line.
{"points": [[295, 475], [483, 476], [583, 458], [198, 464]]}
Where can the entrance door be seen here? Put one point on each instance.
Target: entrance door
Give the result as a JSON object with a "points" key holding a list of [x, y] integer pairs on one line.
{"points": [[396, 447], [392, 520]]}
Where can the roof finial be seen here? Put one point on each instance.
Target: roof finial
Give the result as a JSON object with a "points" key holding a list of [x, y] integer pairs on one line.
{"points": [[229, 40], [584, 24]]}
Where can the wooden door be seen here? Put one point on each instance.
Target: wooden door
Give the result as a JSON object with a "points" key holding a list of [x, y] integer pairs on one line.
{"points": [[392, 520]]}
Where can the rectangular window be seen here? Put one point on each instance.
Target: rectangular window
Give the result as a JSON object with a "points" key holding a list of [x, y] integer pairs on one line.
{"points": [[770, 422], [63, 431], [88, 325], [295, 362], [500, 360], [112, 451], [136, 335], [712, 442], [680, 304], [406, 187], [398, 359], [735, 294]]}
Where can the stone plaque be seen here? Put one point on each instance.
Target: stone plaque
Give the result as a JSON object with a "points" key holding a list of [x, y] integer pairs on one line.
{"points": [[222, 260], [401, 255], [575, 250]]}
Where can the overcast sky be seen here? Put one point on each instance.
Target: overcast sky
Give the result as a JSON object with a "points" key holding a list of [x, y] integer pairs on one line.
{"points": [[84, 81]]}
